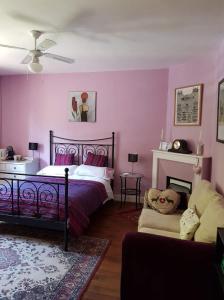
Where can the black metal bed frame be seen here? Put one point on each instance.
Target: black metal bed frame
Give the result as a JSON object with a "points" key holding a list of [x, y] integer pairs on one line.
{"points": [[39, 190], [81, 148]]}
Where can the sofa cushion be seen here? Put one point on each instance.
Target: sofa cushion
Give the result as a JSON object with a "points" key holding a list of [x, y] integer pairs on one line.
{"points": [[159, 232], [164, 202], [202, 194], [189, 223], [212, 218], [150, 218]]}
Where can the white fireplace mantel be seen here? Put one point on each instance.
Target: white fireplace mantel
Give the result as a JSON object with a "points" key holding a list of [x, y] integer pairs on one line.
{"points": [[202, 162]]}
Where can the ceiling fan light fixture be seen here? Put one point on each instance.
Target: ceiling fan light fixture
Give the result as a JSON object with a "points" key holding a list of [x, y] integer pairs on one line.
{"points": [[35, 67]]}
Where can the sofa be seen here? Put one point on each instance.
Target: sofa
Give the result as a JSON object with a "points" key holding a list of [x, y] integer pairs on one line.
{"points": [[156, 267], [208, 205]]}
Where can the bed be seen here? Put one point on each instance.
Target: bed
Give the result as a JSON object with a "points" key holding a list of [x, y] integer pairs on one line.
{"points": [[61, 197]]}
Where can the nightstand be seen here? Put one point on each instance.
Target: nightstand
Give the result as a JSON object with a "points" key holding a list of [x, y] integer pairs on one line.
{"points": [[26, 166], [126, 179]]}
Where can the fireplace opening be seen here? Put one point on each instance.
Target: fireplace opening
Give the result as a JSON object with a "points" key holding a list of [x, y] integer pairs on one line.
{"points": [[182, 187]]}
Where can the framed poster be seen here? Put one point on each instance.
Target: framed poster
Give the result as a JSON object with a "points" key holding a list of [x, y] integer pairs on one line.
{"points": [[82, 106], [188, 104], [220, 113]]}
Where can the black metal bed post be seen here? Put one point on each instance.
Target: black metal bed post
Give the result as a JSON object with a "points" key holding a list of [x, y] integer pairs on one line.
{"points": [[112, 183], [51, 147], [112, 149], [66, 211]]}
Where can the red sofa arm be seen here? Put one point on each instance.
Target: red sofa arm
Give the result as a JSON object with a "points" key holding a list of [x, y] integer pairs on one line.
{"points": [[161, 268]]}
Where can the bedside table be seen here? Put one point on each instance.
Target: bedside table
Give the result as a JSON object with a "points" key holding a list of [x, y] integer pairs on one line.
{"points": [[26, 166], [126, 176]]}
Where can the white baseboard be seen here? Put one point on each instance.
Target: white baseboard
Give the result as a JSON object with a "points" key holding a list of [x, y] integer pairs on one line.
{"points": [[129, 198]]}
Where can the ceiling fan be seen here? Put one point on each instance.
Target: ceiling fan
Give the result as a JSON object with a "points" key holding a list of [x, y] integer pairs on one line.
{"points": [[32, 58]]}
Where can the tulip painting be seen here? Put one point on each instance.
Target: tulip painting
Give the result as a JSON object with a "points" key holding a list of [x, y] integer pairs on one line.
{"points": [[82, 106]]}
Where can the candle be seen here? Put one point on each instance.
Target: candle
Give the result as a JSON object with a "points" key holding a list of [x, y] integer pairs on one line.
{"points": [[200, 136], [161, 137]]}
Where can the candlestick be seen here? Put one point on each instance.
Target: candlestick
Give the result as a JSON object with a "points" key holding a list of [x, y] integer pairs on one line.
{"points": [[161, 137], [200, 136]]}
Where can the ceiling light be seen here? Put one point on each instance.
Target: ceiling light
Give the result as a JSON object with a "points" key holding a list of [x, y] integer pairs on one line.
{"points": [[35, 66]]}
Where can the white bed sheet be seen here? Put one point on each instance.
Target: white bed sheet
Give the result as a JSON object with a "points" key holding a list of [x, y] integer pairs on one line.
{"points": [[54, 171]]}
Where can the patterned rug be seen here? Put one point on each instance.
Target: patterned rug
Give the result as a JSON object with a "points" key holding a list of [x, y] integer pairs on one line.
{"points": [[33, 268]]}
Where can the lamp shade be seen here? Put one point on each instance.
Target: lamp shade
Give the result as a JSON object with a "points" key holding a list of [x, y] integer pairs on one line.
{"points": [[35, 67], [33, 146], [132, 157]]}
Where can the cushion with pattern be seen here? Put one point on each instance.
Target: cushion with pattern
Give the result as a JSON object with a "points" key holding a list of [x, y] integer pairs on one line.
{"points": [[189, 223], [165, 202], [96, 160], [64, 159]]}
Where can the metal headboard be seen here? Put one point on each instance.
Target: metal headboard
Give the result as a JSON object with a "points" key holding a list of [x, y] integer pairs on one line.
{"points": [[81, 148]]}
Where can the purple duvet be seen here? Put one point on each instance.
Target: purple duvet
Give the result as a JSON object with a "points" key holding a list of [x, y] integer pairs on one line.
{"points": [[84, 197]]}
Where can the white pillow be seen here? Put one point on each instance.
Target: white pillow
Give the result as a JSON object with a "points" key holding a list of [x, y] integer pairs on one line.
{"points": [[57, 170], [92, 171], [189, 223]]}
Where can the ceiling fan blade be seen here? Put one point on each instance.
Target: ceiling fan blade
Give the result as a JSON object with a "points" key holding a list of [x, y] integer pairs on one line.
{"points": [[14, 47], [27, 59], [46, 44], [58, 57]]}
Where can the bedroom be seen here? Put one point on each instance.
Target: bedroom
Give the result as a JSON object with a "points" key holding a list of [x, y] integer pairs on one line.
{"points": [[119, 54]]}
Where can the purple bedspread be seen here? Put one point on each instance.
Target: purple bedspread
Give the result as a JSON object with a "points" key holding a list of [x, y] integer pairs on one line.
{"points": [[84, 197]]}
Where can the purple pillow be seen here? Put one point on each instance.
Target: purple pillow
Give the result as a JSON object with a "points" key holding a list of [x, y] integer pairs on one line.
{"points": [[95, 160], [64, 159]]}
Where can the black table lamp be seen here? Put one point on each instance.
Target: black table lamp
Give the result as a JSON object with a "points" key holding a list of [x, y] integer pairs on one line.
{"points": [[33, 147], [132, 157]]}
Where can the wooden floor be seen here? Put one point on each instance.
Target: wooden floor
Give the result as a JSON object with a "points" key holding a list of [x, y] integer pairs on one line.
{"points": [[108, 223]]}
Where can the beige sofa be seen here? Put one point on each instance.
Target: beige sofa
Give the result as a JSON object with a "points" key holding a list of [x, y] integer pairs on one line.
{"points": [[209, 206]]}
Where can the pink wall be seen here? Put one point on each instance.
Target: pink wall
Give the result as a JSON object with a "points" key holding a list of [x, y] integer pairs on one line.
{"points": [[198, 71], [131, 103], [0, 113], [134, 104], [1, 121], [218, 148], [207, 70]]}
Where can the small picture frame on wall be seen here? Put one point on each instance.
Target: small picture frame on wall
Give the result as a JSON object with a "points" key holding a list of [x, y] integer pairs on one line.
{"points": [[220, 113], [188, 105], [82, 106]]}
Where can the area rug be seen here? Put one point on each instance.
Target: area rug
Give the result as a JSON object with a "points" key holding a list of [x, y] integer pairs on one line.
{"points": [[36, 269]]}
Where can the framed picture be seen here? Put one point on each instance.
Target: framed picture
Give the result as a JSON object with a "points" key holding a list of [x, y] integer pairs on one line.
{"points": [[220, 113], [165, 146], [188, 104], [82, 106]]}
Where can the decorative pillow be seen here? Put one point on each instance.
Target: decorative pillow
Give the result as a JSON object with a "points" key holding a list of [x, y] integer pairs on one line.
{"points": [[64, 159], [202, 195], [189, 223], [92, 171], [109, 173], [212, 218], [57, 170], [164, 202], [95, 160]]}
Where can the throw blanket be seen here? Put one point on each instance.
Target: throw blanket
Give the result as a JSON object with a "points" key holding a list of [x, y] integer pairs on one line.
{"points": [[84, 197]]}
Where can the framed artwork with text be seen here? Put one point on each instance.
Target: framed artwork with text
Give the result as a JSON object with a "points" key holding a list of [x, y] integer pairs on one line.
{"points": [[220, 113], [188, 105]]}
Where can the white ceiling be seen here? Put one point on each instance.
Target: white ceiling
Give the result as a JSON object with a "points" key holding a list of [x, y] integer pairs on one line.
{"points": [[106, 35]]}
